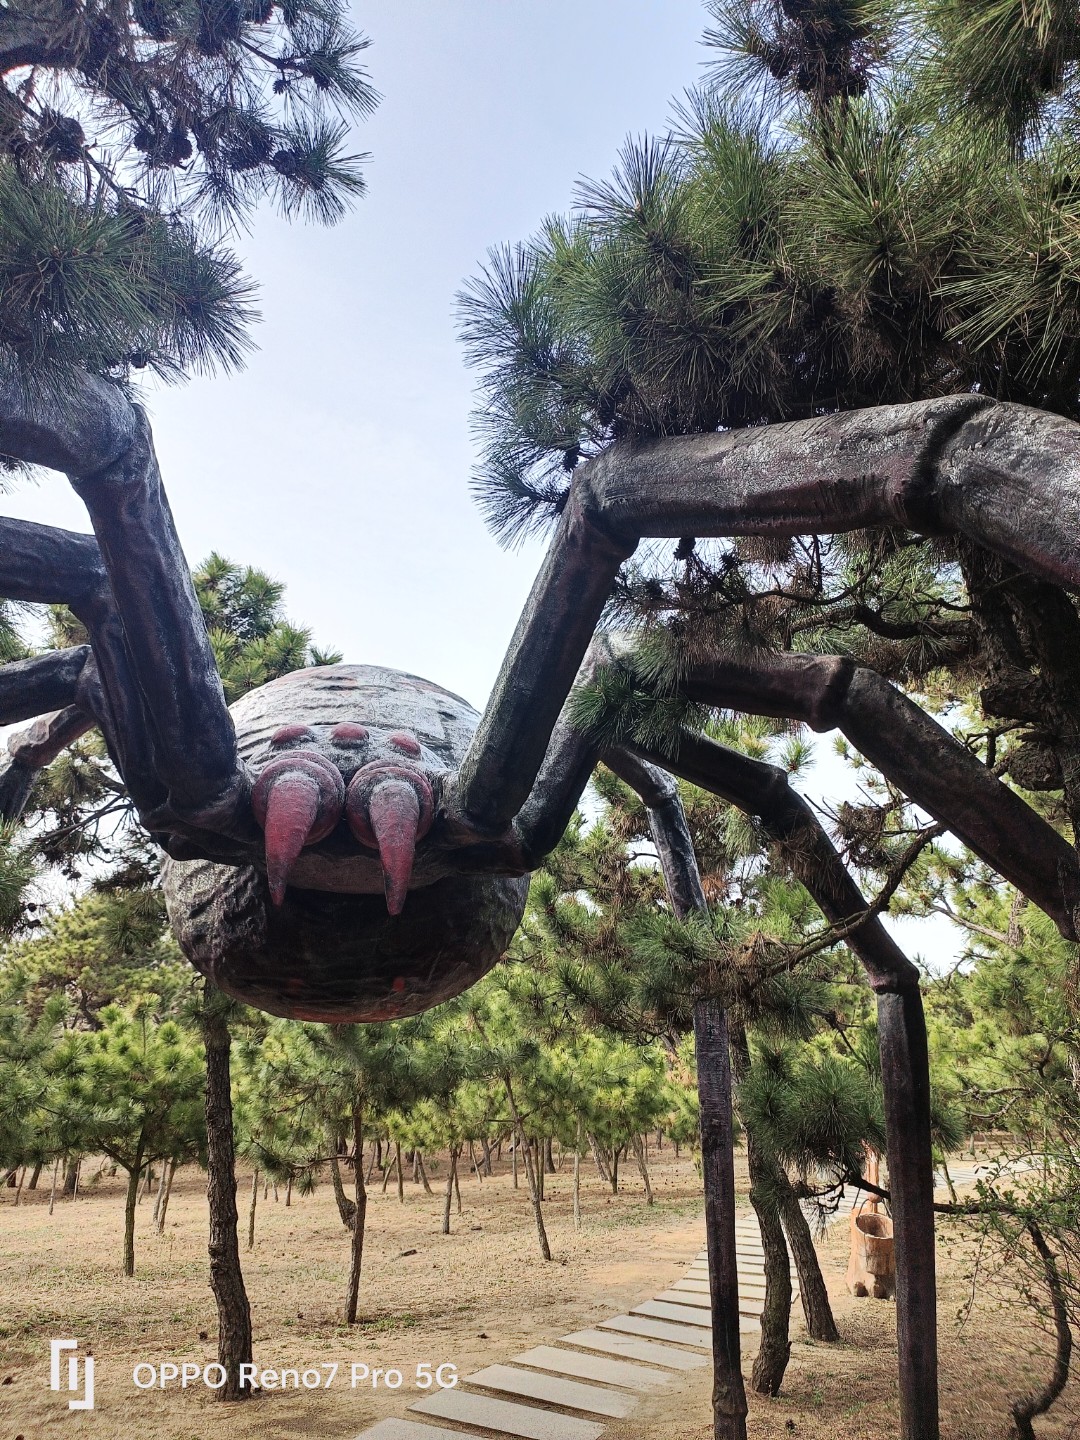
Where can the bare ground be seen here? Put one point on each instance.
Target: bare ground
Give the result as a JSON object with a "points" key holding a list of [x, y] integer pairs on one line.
{"points": [[477, 1296]]}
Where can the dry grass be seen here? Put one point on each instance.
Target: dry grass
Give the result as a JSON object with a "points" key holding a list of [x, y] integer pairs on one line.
{"points": [[474, 1297]]}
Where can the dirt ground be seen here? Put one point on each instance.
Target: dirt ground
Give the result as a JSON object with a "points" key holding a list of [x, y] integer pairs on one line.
{"points": [[472, 1298]]}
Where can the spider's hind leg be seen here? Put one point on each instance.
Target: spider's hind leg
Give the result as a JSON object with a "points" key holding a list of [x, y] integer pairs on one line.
{"points": [[762, 790]]}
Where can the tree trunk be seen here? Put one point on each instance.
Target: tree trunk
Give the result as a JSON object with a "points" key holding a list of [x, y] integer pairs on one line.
{"points": [[35, 1177], [288, 1191], [639, 1156], [514, 1160], [226, 1275], [549, 1158], [251, 1208], [538, 1166], [371, 1165], [165, 1198], [346, 1207], [905, 1070], [400, 1174], [52, 1192], [356, 1249], [534, 1189], [160, 1192], [717, 1163], [1039, 1402], [423, 1174], [134, 1176], [457, 1180], [598, 1158], [774, 1352], [577, 1178], [71, 1177], [614, 1172], [487, 1154], [454, 1152], [817, 1311], [475, 1166]]}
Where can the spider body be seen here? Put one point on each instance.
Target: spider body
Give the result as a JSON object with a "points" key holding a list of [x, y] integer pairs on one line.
{"points": [[331, 950], [284, 819]]}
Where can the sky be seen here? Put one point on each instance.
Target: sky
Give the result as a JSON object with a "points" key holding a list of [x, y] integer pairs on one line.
{"points": [[339, 459]]}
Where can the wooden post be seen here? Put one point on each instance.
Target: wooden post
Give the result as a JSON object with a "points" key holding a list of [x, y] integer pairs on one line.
{"points": [[905, 1070], [718, 1166]]}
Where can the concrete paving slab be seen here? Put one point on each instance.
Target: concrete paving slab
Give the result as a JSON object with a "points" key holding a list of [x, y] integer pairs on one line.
{"points": [[503, 1415], [592, 1367], [681, 1314], [611, 1342], [685, 1297], [554, 1390], [659, 1330], [409, 1430]]}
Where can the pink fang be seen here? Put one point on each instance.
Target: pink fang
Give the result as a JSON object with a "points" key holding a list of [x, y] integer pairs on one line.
{"points": [[394, 816], [292, 812]]}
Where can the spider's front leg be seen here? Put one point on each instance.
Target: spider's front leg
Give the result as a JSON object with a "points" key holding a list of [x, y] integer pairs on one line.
{"points": [[40, 564], [1005, 476], [157, 667]]}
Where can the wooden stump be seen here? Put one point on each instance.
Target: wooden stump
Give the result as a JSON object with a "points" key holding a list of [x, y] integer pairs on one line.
{"points": [[872, 1267]]}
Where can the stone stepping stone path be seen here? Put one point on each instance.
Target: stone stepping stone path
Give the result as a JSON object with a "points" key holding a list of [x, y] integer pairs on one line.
{"points": [[627, 1346], [555, 1392]]}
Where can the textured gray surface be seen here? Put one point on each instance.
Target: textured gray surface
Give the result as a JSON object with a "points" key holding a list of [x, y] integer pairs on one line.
{"points": [[680, 1314], [553, 1390], [505, 1416], [612, 1342], [395, 1429], [592, 1367], [650, 1329], [694, 1299]]}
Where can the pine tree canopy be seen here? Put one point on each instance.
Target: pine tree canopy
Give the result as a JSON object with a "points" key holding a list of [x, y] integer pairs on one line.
{"points": [[872, 203], [131, 137]]}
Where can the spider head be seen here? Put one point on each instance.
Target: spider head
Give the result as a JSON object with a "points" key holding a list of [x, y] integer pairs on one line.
{"points": [[377, 782]]}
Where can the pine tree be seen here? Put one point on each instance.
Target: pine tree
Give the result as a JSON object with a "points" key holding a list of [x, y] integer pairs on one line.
{"points": [[131, 136], [139, 1084]]}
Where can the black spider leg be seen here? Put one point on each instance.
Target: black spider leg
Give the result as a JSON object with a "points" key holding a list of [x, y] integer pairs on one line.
{"points": [[30, 750], [931, 767], [762, 790], [1005, 476], [45, 682], [675, 848], [104, 445], [44, 565]]}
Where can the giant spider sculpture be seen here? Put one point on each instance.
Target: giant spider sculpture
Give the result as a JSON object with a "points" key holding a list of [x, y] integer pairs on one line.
{"points": [[352, 843]]}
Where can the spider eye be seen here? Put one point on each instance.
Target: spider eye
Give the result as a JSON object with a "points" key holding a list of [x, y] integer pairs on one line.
{"points": [[349, 734], [406, 744], [288, 734]]}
